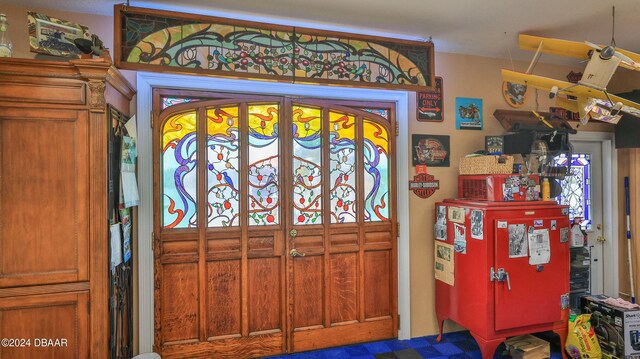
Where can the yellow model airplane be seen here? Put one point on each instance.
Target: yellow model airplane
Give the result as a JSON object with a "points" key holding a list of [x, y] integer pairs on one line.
{"points": [[592, 99]]}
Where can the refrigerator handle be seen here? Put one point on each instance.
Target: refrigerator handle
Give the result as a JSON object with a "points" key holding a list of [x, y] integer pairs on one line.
{"points": [[500, 276]]}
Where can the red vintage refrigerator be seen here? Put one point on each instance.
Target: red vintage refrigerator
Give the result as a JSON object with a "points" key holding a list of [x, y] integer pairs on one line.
{"points": [[502, 268]]}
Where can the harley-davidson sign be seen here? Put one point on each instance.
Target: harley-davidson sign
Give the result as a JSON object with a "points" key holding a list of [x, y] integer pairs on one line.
{"points": [[424, 185]]}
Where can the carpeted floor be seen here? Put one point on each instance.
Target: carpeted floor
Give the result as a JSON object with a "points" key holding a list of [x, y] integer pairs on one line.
{"points": [[458, 345]]}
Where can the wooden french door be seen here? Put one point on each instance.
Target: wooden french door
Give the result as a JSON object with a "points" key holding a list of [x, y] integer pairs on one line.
{"points": [[274, 227]]}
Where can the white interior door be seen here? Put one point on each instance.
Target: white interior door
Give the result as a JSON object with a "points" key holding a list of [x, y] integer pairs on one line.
{"points": [[592, 176]]}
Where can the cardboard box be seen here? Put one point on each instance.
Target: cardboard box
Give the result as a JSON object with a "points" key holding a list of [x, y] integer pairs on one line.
{"points": [[617, 329], [528, 347]]}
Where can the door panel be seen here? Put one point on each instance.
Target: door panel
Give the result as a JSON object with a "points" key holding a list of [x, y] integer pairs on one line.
{"points": [[376, 284], [342, 223], [221, 271], [264, 296], [223, 297], [179, 302], [344, 288], [308, 296]]}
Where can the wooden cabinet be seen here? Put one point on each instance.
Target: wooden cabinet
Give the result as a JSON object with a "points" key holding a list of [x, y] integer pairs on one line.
{"points": [[53, 204]]}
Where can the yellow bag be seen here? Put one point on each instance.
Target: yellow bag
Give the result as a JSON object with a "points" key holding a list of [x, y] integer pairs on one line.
{"points": [[582, 341]]}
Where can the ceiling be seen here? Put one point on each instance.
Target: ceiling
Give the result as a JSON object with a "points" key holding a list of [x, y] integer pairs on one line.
{"points": [[481, 27]]}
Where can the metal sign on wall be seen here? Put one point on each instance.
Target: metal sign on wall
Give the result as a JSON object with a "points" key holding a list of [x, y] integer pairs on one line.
{"points": [[424, 185], [164, 41]]}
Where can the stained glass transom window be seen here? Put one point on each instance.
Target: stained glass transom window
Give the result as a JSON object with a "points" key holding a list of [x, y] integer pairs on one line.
{"points": [[264, 196], [223, 143], [376, 171], [179, 171], [342, 163], [576, 188], [307, 162]]}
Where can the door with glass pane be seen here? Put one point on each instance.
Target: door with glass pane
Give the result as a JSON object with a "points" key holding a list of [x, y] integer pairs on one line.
{"points": [[583, 193], [341, 234], [274, 227]]}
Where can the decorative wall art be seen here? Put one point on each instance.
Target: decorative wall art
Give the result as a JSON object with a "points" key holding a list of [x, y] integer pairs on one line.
{"points": [[494, 145], [515, 94], [51, 36], [155, 40], [430, 150], [424, 185], [430, 104], [468, 113]]}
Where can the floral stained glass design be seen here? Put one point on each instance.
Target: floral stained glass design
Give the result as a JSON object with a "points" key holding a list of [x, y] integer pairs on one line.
{"points": [[179, 171], [576, 188], [264, 196], [342, 163], [307, 161], [376, 175], [254, 50], [172, 101], [223, 208]]}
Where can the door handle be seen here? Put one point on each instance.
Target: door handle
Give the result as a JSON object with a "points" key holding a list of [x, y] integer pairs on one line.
{"points": [[294, 253], [500, 276], [293, 233]]}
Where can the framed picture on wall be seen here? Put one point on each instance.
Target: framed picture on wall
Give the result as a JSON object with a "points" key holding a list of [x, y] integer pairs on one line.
{"points": [[429, 104], [51, 36], [468, 113], [430, 150]]}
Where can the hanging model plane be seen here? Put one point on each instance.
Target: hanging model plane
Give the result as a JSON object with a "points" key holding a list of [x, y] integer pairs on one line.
{"points": [[592, 99]]}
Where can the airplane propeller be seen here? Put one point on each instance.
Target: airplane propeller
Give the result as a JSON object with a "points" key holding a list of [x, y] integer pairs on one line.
{"points": [[606, 52]]}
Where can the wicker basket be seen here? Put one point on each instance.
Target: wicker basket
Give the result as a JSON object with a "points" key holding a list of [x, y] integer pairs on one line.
{"points": [[484, 165]]}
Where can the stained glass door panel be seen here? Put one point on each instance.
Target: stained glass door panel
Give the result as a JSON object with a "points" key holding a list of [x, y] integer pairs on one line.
{"points": [[342, 167], [307, 163], [342, 258], [219, 261], [223, 141], [179, 177], [264, 157], [376, 171]]}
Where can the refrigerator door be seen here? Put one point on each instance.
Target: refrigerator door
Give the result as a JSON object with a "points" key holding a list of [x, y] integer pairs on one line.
{"points": [[529, 261]]}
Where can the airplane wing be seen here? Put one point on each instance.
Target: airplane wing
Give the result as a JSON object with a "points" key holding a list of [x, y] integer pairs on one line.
{"points": [[575, 49], [567, 48], [567, 88]]}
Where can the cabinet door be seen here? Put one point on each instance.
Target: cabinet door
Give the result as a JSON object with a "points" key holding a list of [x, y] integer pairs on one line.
{"points": [[43, 196], [45, 326]]}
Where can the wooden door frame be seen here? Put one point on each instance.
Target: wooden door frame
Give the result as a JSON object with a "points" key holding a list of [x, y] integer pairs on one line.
{"points": [[147, 81]]}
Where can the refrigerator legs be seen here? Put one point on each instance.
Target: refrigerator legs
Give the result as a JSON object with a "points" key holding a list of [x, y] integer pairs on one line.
{"points": [[441, 320], [562, 333], [487, 347]]}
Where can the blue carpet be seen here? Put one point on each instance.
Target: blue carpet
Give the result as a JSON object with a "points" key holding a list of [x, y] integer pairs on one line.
{"points": [[458, 345]]}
